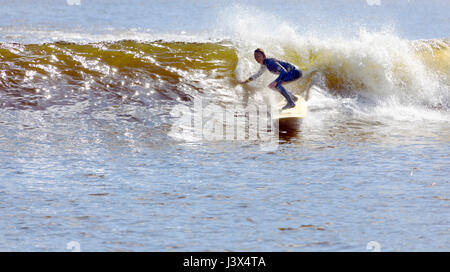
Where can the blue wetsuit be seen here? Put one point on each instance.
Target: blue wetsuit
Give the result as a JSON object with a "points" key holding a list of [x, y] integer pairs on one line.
{"points": [[287, 72]]}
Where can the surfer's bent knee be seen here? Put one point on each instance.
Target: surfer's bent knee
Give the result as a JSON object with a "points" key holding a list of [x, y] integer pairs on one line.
{"points": [[296, 74]]}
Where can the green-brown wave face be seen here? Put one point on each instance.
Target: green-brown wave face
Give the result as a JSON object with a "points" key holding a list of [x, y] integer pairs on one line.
{"points": [[40, 75], [61, 71]]}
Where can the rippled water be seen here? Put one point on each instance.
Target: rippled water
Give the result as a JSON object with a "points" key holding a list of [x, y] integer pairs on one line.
{"points": [[112, 186], [88, 153]]}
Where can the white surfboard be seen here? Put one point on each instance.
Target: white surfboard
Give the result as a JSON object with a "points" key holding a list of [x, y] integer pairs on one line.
{"points": [[291, 118]]}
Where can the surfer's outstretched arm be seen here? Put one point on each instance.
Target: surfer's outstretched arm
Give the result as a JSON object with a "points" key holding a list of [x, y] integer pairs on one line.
{"points": [[261, 71]]}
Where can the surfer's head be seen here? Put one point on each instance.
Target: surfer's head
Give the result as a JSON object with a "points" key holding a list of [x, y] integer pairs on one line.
{"points": [[259, 55]]}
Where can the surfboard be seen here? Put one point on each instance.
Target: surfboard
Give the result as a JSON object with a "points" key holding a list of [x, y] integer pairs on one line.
{"points": [[291, 118]]}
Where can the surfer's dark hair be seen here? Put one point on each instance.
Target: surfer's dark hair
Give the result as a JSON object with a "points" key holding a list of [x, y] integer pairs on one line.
{"points": [[259, 50]]}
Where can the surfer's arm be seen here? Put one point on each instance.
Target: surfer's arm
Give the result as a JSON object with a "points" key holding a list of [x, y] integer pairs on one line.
{"points": [[261, 71]]}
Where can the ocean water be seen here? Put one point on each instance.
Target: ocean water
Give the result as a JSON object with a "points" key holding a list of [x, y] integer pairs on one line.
{"points": [[99, 148]]}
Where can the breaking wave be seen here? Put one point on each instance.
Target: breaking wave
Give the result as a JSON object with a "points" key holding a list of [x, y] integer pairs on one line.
{"points": [[377, 66]]}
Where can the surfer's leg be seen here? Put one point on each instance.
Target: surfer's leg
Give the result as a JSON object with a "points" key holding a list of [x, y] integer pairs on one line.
{"points": [[292, 75], [287, 95], [288, 77]]}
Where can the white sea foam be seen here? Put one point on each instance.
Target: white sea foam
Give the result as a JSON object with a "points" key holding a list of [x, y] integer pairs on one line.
{"points": [[376, 73]]}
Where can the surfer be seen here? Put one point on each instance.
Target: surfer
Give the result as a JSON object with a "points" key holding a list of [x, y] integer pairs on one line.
{"points": [[287, 73]]}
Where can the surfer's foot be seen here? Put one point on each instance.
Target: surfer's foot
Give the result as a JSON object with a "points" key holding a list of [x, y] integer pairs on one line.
{"points": [[288, 106]]}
